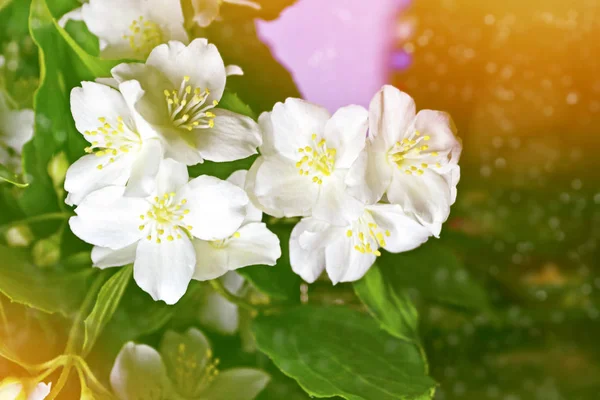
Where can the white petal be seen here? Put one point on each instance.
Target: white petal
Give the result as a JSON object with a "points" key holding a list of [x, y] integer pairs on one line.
{"points": [[428, 196], [40, 391], [132, 93], [334, 204], [217, 208], [84, 177], [247, 3], [17, 128], [233, 70], [233, 137], [390, 114], [106, 218], [171, 177], [268, 142], [142, 181], [278, 186], [205, 11], [237, 384], [164, 270], [10, 389], [169, 15], [211, 262], [294, 123], [251, 191], [344, 263], [219, 314], [92, 101], [346, 132], [309, 263], [199, 60], [139, 374], [370, 176], [103, 257], [74, 15], [440, 128], [256, 245], [405, 233], [253, 214]]}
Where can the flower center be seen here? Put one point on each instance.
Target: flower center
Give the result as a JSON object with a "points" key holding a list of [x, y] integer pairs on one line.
{"points": [[220, 244], [316, 160], [111, 140], [187, 107], [165, 219], [408, 154], [144, 36], [366, 235], [193, 372]]}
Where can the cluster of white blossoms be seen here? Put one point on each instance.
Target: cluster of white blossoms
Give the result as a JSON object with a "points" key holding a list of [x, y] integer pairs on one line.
{"points": [[135, 200], [362, 180]]}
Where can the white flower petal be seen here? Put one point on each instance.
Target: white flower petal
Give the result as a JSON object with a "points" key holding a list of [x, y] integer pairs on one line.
{"points": [[369, 176], [205, 11], [199, 60], [106, 218], [405, 233], [84, 177], [250, 190], [217, 208], [172, 176], [142, 181], [253, 214], [74, 15], [294, 122], [441, 130], [256, 245], [219, 314], [344, 263], [390, 115], [346, 132], [211, 262], [233, 137], [309, 263], [164, 270], [279, 187], [237, 384], [334, 204], [103, 257], [40, 391], [17, 128], [139, 373], [234, 70], [427, 196], [268, 142], [10, 389]]}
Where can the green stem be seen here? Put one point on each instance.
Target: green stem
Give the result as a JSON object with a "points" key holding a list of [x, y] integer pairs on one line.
{"points": [[239, 301], [424, 357], [62, 380], [35, 219], [85, 370]]}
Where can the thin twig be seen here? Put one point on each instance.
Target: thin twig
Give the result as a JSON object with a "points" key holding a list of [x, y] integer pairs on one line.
{"points": [[35, 219]]}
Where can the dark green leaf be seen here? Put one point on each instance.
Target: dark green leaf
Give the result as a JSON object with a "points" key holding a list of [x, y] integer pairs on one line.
{"points": [[7, 176], [389, 305], [231, 101], [436, 273], [50, 290], [220, 170], [334, 351], [107, 302], [279, 282]]}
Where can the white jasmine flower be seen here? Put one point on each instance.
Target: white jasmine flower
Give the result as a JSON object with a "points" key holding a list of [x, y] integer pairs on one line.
{"points": [[155, 233], [413, 159], [347, 252], [16, 129], [123, 149], [183, 369], [305, 159], [131, 28], [251, 244], [16, 389], [206, 11], [182, 88]]}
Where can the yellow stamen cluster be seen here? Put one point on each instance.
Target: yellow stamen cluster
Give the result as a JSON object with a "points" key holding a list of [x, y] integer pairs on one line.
{"points": [[219, 244], [112, 141], [193, 371], [405, 153], [144, 36], [165, 220], [316, 160], [187, 107], [367, 236]]}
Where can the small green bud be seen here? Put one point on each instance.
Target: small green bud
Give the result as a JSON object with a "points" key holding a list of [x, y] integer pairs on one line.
{"points": [[57, 169], [19, 236], [46, 252]]}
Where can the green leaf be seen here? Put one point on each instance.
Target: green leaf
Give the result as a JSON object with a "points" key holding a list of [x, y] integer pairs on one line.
{"points": [[7, 176], [49, 290], [230, 101], [221, 170], [436, 273], [106, 304], [389, 305], [279, 282], [334, 351]]}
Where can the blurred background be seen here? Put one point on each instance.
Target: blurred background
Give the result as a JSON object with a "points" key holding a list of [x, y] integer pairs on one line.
{"points": [[513, 313], [521, 80]]}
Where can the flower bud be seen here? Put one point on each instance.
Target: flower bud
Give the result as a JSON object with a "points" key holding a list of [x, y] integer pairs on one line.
{"points": [[19, 236], [46, 252], [57, 169]]}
